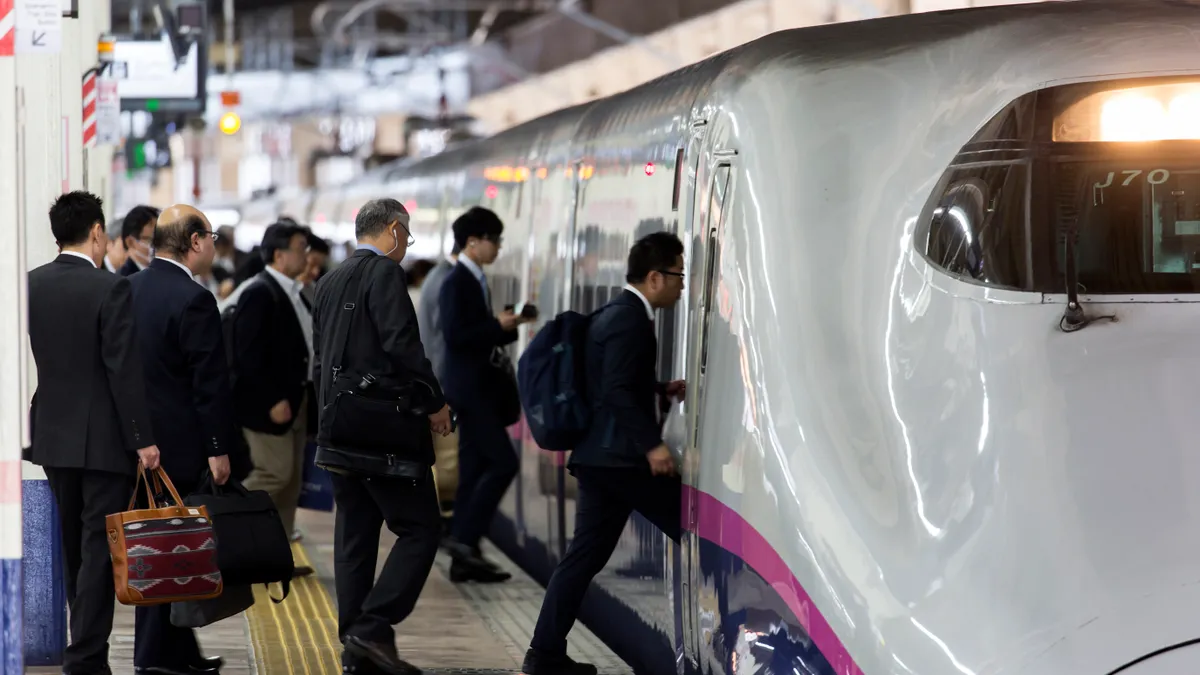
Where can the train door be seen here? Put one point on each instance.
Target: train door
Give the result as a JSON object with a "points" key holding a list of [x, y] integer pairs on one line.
{"points": [[691, 173]]}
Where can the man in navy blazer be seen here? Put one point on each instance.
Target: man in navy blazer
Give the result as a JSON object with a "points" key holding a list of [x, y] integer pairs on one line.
{"points": [[187, 390], [475, 388], [622, 465]]}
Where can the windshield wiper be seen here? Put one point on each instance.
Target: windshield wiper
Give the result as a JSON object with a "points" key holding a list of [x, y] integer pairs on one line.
{"points": [[1074, 318]]}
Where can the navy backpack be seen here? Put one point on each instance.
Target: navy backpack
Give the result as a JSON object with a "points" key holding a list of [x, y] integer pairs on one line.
{"points": [[552, 383]]}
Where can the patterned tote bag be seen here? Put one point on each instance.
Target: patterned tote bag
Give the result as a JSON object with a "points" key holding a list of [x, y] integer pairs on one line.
{"points": [[164, 553]]}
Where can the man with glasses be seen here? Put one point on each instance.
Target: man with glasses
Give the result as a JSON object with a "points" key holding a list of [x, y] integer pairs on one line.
{"points": [[366, 327], [272, 353], [187, 392], [480, 390], [622, 464], [137, 233]]}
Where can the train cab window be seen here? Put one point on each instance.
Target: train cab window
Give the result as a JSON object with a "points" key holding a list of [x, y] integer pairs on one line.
{"points": [[1103, 171], [977, 228]]}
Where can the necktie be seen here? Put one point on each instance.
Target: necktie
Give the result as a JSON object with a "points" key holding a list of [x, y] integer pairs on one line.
{"points": [[487, 294]]}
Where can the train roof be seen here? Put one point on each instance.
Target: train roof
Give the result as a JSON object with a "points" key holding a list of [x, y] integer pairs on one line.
{"points": [[1010, 30]]}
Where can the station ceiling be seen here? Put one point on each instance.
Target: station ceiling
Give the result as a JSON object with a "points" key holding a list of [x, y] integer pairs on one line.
{"points": [[404, 24]]}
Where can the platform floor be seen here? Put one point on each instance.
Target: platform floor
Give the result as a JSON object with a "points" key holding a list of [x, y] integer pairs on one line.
{"points": [[456, 628]]}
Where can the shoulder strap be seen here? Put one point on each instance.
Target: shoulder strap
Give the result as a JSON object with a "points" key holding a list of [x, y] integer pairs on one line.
{"points": [[350, 298]]}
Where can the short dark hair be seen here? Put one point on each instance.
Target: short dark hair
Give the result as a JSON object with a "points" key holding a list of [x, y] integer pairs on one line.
{"points": [[137, 218], [317, 244], [476, 222], [375, 216], [652, 253], [278, 237], [175, 239], [73, 215]]}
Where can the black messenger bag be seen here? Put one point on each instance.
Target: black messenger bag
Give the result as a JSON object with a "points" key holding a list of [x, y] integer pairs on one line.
{"points": [[368, 427]]}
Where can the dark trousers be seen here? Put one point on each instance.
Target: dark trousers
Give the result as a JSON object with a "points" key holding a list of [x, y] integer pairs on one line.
{"points": [[487, 465], [84, 498], [158, 643], [606, 499], [368, 608]]}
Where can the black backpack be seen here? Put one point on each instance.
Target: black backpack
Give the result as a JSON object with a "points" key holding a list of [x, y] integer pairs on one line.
{"points": [[229, 317]]}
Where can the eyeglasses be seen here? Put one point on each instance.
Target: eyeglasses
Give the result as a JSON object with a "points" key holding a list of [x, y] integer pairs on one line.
{"points": [[209, 233], [411, 239], [681, 275]]}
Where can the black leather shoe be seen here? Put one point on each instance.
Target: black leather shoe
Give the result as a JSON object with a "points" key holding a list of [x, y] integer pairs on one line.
{"points": [[463, 570], [186, 670], [537, 663], [302, 571], [210, 663], [382, 656]]}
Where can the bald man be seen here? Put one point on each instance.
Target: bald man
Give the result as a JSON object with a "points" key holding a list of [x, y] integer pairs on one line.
{"points": [[188, 392]]}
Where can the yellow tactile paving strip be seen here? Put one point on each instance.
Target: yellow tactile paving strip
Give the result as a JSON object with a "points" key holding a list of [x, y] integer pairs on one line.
{"points": [[299, 635]]}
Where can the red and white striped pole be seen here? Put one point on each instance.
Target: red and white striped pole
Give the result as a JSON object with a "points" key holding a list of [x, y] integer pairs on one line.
{"points": [[8, 28], [89, 109]]}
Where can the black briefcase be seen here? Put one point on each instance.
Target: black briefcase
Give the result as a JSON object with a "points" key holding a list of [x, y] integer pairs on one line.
{"points": [[253, 547], [232, 601]]}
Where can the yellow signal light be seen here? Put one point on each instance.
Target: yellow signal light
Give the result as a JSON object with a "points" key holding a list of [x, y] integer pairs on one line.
{"points": [[230, 123]]}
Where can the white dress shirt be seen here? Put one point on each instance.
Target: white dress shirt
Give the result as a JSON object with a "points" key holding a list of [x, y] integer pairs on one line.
{"points": [[177, 264], [292, 288], [77, 254], [649, 309]]}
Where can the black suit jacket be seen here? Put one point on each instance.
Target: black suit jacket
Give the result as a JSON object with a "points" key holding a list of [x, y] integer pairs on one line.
{"points": [[270, 356], [471, 333], [620, 361], [383, 339], [187, 376], [129, 268], [89, 411]]}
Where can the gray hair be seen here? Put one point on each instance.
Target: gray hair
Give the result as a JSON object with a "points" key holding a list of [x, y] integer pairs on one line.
{"points": [[375, 216]]}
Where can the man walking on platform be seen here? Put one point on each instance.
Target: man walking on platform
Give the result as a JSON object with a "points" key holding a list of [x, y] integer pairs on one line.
{"points": [[365, 329], [272, 347], [622, 464], [89, 420], [187, 384]]}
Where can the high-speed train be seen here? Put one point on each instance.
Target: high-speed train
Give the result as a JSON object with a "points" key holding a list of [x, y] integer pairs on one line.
{"points": [[941, 338]]}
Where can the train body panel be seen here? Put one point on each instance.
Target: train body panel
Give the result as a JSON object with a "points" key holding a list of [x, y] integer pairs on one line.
{"points": [[889, 468]]}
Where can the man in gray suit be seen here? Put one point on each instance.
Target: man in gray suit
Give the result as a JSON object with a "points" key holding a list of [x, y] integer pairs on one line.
{"points": [[428, 320], [445, 448]]}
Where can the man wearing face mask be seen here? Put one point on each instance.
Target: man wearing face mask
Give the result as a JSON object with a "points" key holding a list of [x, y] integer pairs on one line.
{"points": [[137, 234], [476, 385], [365, 328]]}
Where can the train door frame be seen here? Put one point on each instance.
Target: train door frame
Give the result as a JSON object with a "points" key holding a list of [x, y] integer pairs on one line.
{"points": [[692, 190], [572, 213], [714, 182]]}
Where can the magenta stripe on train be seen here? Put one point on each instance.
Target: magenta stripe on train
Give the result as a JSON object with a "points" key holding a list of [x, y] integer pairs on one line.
{"points": [[724, 527]]}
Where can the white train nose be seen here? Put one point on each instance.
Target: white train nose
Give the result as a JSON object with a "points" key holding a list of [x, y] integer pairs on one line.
{"points": [[1184, 660]]}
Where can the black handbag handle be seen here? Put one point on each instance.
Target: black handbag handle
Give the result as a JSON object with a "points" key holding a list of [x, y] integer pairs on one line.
{"points": [[208, 485]]}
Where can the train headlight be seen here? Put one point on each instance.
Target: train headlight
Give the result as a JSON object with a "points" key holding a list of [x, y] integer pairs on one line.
{"points": [[1151, 113]]}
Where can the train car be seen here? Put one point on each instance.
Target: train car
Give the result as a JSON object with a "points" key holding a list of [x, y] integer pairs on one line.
{"points": [[942, 275]]}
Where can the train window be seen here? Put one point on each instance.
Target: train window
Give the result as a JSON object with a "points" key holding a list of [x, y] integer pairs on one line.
{"points": [[1108, 167], [1137, 225], [678, 179], [977, 228]]}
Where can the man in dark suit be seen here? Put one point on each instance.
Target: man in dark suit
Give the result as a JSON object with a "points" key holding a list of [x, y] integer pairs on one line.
{"points": [[137, 233], [89, 423], [272, 343], [622, 465], [187, 385], [388, 347], [486, 458]]}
